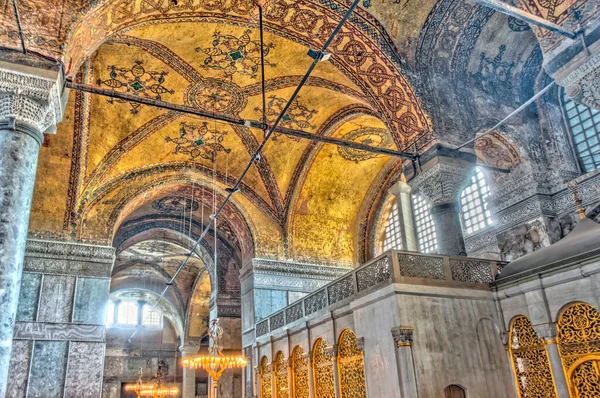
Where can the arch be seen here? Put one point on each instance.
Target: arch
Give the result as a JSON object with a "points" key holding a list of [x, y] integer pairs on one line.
{"points": [[351, 366], [454, 391], [323, 370], [281, 376], [530, 361], [299, 373], [578, 339], [266, 382]]}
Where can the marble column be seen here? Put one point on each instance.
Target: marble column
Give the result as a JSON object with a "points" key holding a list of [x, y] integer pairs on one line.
{"points": [[547, 331], [402, 192], [336, 374], [30, 105], [188, 389], [403, 337], [443, 175]]}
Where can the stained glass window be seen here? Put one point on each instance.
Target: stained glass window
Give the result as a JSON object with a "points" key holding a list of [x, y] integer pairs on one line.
{"points": [[392, 236], [150, 316], [127, 313], [584, 124], [426, 235], [474, 207]]}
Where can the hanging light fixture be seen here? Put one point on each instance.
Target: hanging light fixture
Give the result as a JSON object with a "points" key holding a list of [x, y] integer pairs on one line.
{"points": [[215, 363], [156, 390]]}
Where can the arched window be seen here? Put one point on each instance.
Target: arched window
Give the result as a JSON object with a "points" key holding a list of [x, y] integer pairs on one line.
{"points": [[530, 360], [474, 208], [266, 386], [584, 124], [110, 313], [281, 376], [127, 313], [426, 235], [351, 366], [392, 236], [300, 373], [151, 316], [578, 340], [323, 371], [454, 391]]}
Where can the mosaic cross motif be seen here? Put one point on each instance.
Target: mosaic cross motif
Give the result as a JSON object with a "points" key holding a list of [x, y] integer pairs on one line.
{"points": [[231, 54], [368, 136], [198, 141], [136, 80], [298, 116]]}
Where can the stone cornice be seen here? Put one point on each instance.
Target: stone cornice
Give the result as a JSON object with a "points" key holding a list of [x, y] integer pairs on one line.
{"points": [[31, 96], [293, 269], [69, 251]]}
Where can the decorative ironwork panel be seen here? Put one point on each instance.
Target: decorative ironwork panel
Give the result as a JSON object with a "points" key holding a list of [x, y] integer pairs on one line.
{"points": [[266, 384], [585, 379], [373, 274], [262, 328], [315, 302], [530, 361], [323, 371], [277, 320], [294, 312], [578, 333], [471, 271], [421, 266], [351, 366], [340, 290], [281, 376], [300, 373]]}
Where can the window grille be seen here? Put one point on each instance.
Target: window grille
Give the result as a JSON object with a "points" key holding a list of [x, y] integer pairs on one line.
{"points": [[392, 236], [127, 313], [426, 235], [584, 124], [474, 207], [150, 317]]}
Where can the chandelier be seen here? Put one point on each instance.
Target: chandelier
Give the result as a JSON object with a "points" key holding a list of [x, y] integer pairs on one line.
{"points": [[215, 363], [156, 390]]}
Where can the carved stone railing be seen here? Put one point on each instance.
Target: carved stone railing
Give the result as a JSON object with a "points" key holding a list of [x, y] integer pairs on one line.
{"points": [[390, 267]]}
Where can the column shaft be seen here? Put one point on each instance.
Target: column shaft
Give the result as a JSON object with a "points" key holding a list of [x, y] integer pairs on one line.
{"points": [[446, 218], [19, 149], [560, 381]]}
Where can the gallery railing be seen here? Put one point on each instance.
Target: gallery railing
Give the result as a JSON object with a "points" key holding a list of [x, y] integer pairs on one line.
{"points": [[390, 267]]}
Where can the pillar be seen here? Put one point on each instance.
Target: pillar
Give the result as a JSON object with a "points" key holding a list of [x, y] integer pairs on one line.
{"points": [[188, 388], [402, 192], [547, 331], [336, 371], [30, 105], [311, 375], [403, 338], [442, 177]]}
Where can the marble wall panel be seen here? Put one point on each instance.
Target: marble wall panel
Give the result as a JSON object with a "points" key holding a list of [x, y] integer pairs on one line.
{"points": [[47, 376], [29, 296], [20, 360], [84, 371], [56, 301], [91, 296], [268, 301]]}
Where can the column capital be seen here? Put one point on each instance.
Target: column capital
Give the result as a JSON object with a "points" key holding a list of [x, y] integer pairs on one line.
{"points": [[403, 336], [31, 97], [443, 175], [188, 350], [582, 85], [547, 331]]}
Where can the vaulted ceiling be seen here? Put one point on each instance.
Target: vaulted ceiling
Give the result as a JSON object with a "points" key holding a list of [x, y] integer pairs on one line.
{"points": [[402, 75]]}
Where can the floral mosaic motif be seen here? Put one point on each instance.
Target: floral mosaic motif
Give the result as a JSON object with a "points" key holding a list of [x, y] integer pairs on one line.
{"points": [[300, 373], [198, 141], [351, 366], [138, 81], [235, 54], [323, 371], [368, 136], [493, 74], [298, 115], [530, 360], [578, 333]]}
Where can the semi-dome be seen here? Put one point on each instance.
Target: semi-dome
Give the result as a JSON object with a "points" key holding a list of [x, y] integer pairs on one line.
{"points": [[583, 242]]}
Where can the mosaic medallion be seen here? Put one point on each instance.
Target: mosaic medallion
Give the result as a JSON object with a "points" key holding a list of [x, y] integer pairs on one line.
{"points": [[198, 141], [171, 204], [216, 96], [368, 136]]}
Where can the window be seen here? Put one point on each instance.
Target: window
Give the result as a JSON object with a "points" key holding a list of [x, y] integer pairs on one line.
{"points": [[110, 313], [474, 207], [150, 316], [424, 225], [454, 391], [392, 236], [584, 124], [127, 313]]}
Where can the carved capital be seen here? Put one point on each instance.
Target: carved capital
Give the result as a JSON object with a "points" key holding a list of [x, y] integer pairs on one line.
{"points": [[403, 336], [31, 97], [547, 331], [442, 182], [188, 350], [360, 342], [583, 84]]}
